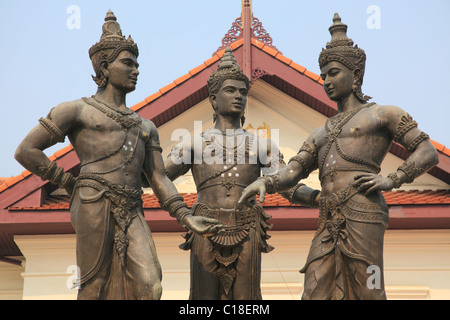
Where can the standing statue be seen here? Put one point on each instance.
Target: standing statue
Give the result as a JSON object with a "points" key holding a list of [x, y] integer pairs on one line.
{"points": [[348, 151], [115, 250], [226, 160]]}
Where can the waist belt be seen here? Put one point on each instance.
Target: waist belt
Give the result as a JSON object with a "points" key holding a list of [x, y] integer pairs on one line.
{"points": [[124, 201]]}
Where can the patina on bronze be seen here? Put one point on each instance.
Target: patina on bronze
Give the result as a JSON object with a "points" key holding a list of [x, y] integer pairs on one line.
{"points": [[115, 250], [348, 151]]}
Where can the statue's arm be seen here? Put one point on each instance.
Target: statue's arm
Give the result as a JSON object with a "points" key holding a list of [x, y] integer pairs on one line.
{"points": [[179, 160], [59, 122], [285, 181], [165, 190], [405, 131]]}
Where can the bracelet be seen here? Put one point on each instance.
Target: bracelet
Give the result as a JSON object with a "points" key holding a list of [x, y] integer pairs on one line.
{"points": [[182, 214], [55, 175], [174, 208], [165, 205], [312, 198], [293, 190], [394, 177]]}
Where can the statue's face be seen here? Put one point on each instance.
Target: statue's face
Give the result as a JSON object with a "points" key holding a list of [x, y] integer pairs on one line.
{"points": [[123, 72], [338, 80], [231, 99]]}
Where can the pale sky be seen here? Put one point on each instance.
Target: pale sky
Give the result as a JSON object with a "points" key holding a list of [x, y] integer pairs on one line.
{"points": [[45, 51]]}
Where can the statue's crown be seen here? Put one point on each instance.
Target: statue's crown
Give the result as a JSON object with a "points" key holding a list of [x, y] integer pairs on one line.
{"points": [[340, 48], [112, 38], [228, 69]]}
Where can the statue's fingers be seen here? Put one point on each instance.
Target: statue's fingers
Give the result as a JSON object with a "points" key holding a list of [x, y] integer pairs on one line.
{"points": [[211, 221]]}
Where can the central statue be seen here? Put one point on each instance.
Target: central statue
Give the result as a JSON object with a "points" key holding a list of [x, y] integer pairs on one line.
{"points": [[227, 265]]}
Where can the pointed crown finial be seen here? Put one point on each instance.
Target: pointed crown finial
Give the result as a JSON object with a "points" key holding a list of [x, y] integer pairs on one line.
{"points": [[228, 69], [112, 38]]}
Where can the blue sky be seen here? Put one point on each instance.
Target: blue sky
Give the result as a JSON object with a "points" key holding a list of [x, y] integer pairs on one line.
{"points": [[45, 60]]}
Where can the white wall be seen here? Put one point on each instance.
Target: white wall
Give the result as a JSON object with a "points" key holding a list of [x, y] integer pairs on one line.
{"points": [[417, 266]]}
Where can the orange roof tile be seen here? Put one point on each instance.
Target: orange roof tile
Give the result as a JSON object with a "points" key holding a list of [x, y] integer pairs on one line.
{"points": [[182, 79], [284, 59], [167, 88]]}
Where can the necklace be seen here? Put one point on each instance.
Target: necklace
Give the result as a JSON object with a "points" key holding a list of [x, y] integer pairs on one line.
{"points": [[125, 112], [334, 128], [114, 114]]}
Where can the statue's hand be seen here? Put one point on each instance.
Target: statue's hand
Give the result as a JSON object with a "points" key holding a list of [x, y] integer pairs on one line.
{"points": [[202, 225], [370, 182], [257, 187]]}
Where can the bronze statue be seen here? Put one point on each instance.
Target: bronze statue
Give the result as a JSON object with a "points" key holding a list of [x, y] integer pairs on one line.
{"points": [[226, 160], [348, 151], [115, 250]]}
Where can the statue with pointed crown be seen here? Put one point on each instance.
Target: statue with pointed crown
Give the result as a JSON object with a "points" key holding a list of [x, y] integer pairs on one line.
{"points": [[348, 151], [119, 151], [227, 159]]}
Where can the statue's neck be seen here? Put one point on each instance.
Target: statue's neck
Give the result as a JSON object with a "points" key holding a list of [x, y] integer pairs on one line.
{"points": [[227, 122], [112, 97], [348, 103]]}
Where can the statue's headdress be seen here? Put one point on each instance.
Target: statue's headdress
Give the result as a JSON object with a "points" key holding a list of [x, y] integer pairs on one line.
{"points": [[228, 69], [341, 49], [111, 43]]}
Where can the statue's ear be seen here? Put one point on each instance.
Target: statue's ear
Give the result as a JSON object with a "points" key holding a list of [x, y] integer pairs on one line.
{"points": [[104, 69], [357, 76], [212, 99]]}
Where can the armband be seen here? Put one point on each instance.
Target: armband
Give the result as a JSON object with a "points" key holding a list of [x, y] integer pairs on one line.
{"points": [[52, 129], [416, 141], [406, 124], [312, 151]]}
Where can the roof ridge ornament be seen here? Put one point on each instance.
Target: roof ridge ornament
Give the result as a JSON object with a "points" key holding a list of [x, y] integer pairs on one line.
{"points": [[236, 32]]}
